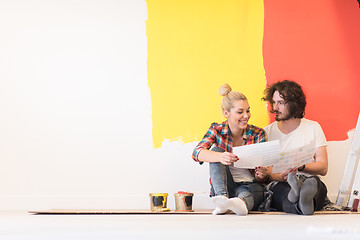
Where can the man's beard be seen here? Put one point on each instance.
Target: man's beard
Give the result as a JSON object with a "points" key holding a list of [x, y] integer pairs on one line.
{"points": [[284, 118]]}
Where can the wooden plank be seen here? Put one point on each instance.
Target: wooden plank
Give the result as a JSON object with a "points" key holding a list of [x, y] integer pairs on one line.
{"points": [[144, 211], [116, 211]]}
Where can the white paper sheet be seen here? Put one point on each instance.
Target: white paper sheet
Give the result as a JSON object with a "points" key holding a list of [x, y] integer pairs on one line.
{"points": [[295, 158], [268, 153], [259, 154]]}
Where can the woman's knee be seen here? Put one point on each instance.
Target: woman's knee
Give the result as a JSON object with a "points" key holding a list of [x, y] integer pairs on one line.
{"points": [[248, 199]]}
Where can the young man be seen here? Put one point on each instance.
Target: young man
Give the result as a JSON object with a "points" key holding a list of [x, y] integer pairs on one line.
{"points": [[299, 190]]}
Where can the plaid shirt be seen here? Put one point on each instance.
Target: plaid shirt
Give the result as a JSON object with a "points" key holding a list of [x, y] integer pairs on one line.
{"points": [[220, 135]]}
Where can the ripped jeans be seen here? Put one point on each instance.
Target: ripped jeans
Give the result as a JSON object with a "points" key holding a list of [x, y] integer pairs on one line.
{"points": [[222, 183]]}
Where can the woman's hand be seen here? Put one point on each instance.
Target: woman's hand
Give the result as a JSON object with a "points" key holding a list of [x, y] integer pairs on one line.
{"points": [[261, 174], [227, 158]]}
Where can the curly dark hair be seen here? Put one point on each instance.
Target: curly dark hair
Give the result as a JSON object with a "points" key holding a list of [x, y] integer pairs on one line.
{"points": [[292, 93]]}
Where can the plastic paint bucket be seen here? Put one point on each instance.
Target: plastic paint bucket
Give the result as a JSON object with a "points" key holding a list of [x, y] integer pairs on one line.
{"points": [[183, 201], [158, 201]]}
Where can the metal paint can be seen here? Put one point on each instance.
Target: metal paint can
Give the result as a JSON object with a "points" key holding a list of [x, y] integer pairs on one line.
{"points": [[158, 201], [183, 201]]}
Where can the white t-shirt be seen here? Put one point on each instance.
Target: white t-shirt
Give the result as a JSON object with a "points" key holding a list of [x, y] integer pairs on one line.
{"points": [[304, 134], [241, 174]]}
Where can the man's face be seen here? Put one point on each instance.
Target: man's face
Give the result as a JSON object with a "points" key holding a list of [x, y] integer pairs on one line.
{"points": [[281, 109]]}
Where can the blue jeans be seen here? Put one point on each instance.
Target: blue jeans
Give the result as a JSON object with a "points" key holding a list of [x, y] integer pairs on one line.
{"points": [[222, 183], [281, 202]]}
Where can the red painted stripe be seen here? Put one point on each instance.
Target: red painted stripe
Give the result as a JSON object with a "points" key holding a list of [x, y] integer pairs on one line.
{"points": [[317, 44]]}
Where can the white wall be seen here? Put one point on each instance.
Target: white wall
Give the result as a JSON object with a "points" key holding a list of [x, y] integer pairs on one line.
{"points": [[75, 125], [75, 110], [338, 153]]}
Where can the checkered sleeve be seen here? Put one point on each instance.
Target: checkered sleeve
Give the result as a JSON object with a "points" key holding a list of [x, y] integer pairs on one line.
{"points": [[207, 141], [255, 135], [262, 136]]}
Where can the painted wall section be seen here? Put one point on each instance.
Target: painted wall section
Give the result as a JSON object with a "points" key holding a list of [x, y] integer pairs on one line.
{"points": [[316, 43], [193, 48]]}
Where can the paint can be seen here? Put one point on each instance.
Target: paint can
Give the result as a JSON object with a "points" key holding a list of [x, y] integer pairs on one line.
{"points": [[355, 205], [158, 202], [183, 201]]}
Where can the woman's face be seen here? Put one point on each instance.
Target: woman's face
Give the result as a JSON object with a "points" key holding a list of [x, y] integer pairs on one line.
{"points": [[239, 114]]}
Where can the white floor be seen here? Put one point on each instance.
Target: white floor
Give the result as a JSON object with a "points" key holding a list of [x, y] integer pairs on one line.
{"points": [[21, 225]]}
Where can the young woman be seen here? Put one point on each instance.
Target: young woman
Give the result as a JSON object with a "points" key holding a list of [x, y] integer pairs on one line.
{"points": [[235, 189]]}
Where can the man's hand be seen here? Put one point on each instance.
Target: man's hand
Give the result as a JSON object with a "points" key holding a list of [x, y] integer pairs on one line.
{"points": [[284, 175]]}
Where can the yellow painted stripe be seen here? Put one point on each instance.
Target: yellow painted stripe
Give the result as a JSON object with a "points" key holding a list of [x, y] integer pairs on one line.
{"points": [[194, 46]]}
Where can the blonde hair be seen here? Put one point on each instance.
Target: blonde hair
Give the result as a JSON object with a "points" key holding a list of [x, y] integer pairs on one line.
{"points": [[229, 96]]}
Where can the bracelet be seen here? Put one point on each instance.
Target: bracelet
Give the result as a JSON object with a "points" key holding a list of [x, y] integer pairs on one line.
{"points": [[301, 168]]}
